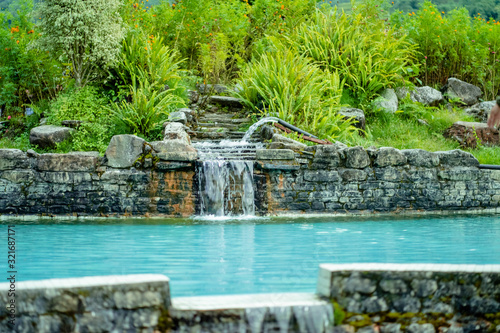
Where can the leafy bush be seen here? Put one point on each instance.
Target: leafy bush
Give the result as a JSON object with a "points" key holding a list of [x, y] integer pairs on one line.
{"points": [[368, 55], [288, 86], [88, 105], [26, 75], [85, 33]]}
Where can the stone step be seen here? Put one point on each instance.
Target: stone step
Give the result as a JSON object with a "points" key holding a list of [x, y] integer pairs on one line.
{"points": [[283, 312], [219, 125], [218, 118]]}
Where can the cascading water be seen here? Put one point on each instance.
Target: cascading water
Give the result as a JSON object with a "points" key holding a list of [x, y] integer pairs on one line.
{"points": [[225, 177], [254, 127]]}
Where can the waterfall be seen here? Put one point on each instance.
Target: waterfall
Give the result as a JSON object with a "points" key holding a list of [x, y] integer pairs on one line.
{"points": [[225, 177]]}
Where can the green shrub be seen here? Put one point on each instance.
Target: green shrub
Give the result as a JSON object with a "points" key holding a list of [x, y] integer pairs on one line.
{"points": [[287, 85], [367, 54]]}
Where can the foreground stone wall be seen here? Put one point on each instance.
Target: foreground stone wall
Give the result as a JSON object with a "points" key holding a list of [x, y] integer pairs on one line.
{"points": [[333, 179], [129, 303], [414, 298], [82, 184]]}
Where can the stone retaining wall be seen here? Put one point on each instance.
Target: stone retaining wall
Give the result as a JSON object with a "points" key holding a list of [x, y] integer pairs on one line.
{"points": [[321, 179], [330, 179], [129, 303], [414, 298]]}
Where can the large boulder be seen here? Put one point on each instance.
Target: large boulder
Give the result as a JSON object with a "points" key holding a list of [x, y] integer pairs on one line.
{"points": [[388, 101], [124, 150], [174, 150], [357, 114], [468, 134], [481, 111], [48, 136], [469, 94], [176, 131], [425, 95]]}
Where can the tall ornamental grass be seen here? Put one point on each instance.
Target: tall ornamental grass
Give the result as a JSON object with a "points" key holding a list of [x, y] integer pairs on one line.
{"points": [[287, 85], [367, 53]]}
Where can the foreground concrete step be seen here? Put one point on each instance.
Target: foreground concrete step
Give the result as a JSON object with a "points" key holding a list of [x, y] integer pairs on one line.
{"points": [[281, 312]]}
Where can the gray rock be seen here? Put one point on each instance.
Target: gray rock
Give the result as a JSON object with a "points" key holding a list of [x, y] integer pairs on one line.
{"points": [[421, 158], [390, 328], [343, 329], [425, 95], [189, 113], [424, 288], [356, 158], [481, 111], [360, 285], [48, 136], [357, 114], [67, 162], [211, 88], [71, 123], [374, 304], [394, 286], [388, 101], [407, 304], [421, 328], [176, 131], [174, 150], [326, 156], [95, 321], [124, 150], [267, 132], [292, 144], [177, 117], [455, 328], [275, 154], [367, 329], [466, 92], [457, 157], [388, 156], [223, 101], [321, 176], [12, 159]]}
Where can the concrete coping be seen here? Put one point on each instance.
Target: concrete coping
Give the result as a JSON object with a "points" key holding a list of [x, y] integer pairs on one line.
{"points": [[245, 301], [367, 267], [86, 282]]}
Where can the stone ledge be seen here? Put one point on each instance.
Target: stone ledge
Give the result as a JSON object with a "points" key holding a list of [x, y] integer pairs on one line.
{"points": [[374, 267], [86, 282]]}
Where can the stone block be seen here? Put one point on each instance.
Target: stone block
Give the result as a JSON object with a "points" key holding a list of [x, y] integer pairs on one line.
{"points": [[388, 156], [182, 156], [321, 176], [124, 150], [275, 154], [12, 159], [224, 101], [421, 158], [356, 158], [177, 117], [48, 136], [388, 101], [291, 144], [66, 162], [457, 157], [175, 131], [357, 115], [326, 156]]}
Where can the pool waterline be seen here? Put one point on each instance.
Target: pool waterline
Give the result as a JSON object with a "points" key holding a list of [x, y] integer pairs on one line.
{"points": [[256, 255]]}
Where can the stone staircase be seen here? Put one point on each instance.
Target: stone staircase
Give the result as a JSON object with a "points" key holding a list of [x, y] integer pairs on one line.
{"points": [[221, 125]]}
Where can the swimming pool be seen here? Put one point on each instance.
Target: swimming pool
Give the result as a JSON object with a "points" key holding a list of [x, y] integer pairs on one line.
{"points": [[205, 257]]}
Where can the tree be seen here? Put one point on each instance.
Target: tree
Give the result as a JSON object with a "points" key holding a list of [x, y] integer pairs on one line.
{"points": [[85, 33]]}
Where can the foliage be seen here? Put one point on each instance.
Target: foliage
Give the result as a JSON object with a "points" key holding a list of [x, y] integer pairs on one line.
{"points": [[149, 108], [85, 33], [26, 75], [287, 85], [367, 54], [88, 105], [454, 45]]}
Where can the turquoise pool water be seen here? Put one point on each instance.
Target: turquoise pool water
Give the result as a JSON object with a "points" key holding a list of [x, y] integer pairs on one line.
{"points": [[203, 257]]}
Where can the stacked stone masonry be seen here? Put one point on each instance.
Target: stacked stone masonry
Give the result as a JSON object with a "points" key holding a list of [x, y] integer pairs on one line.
{"points": [[424, 298], [320, 179], [129, 303]]}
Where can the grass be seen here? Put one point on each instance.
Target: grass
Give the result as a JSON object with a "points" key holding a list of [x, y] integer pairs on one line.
{"points": [[404, 131]]}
